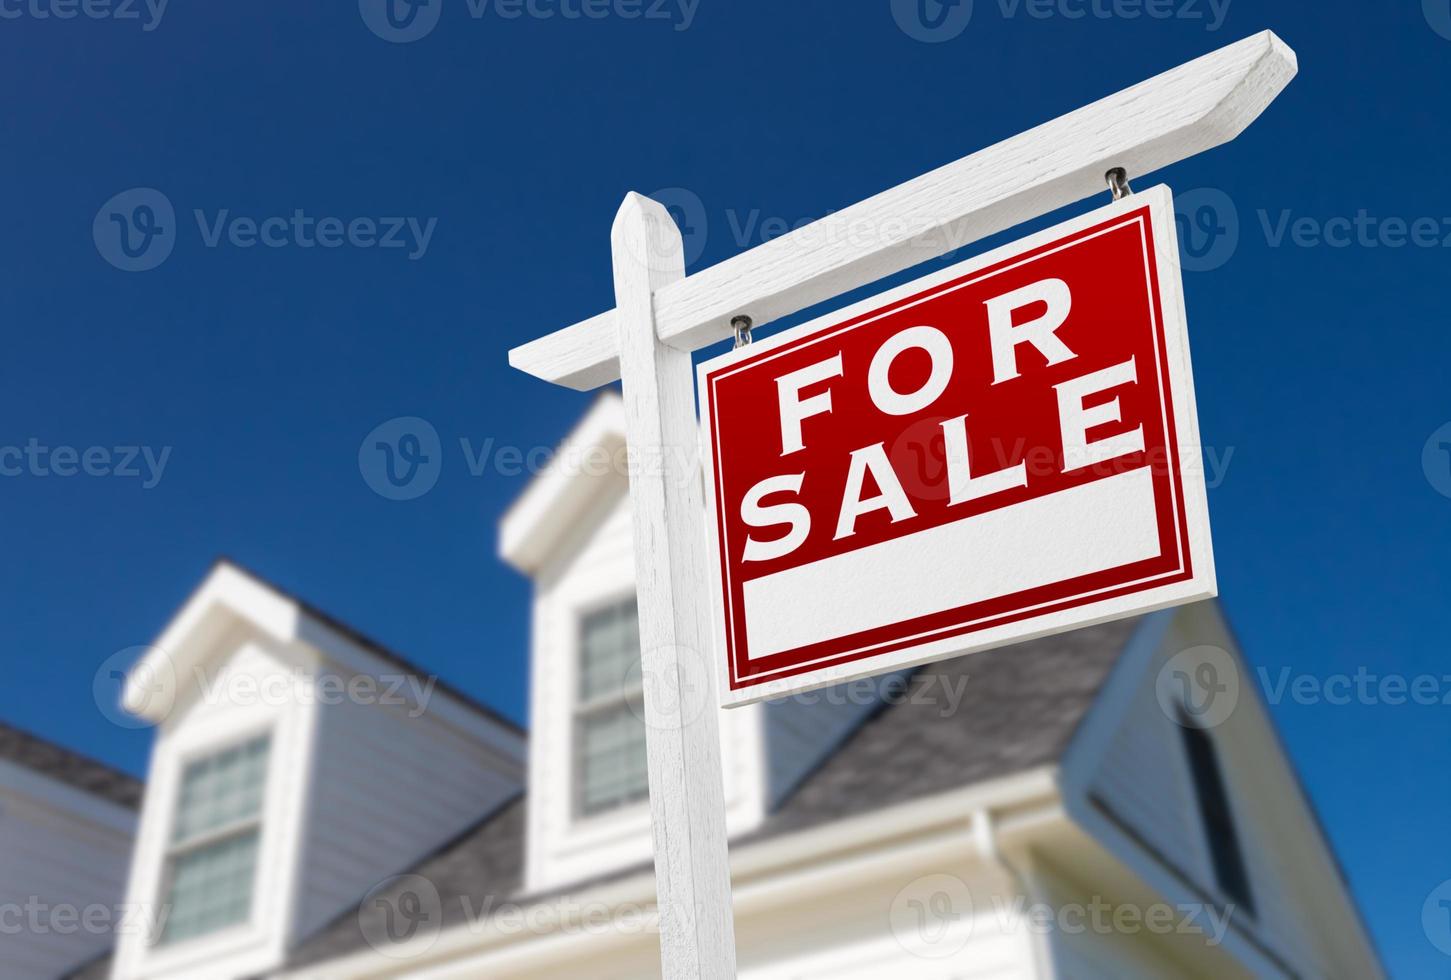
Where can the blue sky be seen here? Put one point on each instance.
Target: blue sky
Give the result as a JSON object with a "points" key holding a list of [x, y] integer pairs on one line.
{"points": [[505, 145]]}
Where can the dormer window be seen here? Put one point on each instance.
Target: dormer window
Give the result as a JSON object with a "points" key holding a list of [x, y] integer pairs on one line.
{"points": [[609, 765], [211, 862], [1216, 816]]}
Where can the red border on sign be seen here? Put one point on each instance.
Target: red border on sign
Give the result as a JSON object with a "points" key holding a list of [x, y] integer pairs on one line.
{"points": [[1054, 597]]}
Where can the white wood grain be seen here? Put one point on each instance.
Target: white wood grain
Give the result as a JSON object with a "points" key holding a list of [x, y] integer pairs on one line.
{"points": [[687, 800], [1188, 110]]}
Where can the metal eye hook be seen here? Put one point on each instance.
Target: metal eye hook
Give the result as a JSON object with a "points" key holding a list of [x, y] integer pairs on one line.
{"points": [[742, 327], [1118, 183]]}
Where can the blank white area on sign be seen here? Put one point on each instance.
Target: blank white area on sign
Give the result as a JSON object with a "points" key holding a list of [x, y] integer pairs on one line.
{"points": [[1048, 539]]}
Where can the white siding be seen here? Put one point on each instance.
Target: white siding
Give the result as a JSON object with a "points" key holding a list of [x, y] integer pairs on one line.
{"points": [[849, 936], [387, 789], [1085, 950], [63, 858], [987, 954], [846, 923], [1145, 783]]}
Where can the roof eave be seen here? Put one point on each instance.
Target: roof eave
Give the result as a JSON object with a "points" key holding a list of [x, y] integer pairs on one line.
{"points": [[542, 516]]}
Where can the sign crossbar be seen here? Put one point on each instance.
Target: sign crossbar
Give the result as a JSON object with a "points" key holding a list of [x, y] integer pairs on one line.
{"points": [[1158, 122]]}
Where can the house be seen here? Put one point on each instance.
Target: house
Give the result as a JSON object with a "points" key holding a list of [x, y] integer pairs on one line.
{"points": [[66, 826], [290, 754], [1060, 808]]}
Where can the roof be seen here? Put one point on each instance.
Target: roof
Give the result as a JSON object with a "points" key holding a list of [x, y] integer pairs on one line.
{"points": [[376, 648], [1020, 708], [485, 863], [540, 519], [72, 768]]}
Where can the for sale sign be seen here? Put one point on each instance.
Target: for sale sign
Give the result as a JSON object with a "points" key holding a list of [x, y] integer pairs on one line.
{"points": [[1002, 450]]}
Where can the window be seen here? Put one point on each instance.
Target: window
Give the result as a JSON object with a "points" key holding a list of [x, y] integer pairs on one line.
{"points": [[1216, 815], [609, 728], [212, 859]]}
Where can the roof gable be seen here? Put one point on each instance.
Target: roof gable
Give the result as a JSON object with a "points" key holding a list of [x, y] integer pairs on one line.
{"points": [[1129, 779], [550, 508], [232, 593]]}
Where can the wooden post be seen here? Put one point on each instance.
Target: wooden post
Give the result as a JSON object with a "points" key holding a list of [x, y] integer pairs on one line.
{"points": [[687, 795]]}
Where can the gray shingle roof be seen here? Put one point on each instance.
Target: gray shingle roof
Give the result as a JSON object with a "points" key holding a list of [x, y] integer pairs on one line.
{"points": [[71, 768], [1019, 709], [485, 864]]}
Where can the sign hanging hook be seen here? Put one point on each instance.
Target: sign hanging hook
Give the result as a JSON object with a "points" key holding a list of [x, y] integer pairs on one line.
{"points": [[742, 327], [1118, 183]]}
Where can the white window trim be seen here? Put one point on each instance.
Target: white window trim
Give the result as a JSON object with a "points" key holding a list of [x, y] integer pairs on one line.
{"points": [[157, 945]]}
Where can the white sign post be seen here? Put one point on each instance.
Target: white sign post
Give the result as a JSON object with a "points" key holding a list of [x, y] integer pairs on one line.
{"points": [[661, 316], [687, 799]]}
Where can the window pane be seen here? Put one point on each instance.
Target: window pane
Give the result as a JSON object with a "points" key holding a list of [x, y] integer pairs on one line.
{"points": [[609, 650], [612, 759], [211, 887], [222, 789], [211, 883]]}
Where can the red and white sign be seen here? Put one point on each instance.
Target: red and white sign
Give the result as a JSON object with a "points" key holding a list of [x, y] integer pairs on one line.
{"points": [[1004, 449]]}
